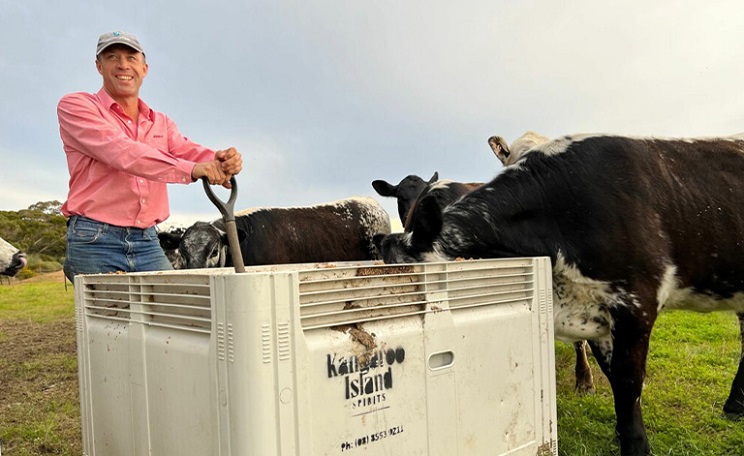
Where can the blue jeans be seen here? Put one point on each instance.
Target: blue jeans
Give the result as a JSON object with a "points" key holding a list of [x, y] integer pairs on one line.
{"points": [[96, 247]]}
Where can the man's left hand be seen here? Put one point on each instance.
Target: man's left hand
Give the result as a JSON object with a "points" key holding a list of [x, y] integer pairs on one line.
{"points": [[231, 160]]}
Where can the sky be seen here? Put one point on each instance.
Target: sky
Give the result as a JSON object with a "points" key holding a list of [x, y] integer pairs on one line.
{"points": [[323, 97]]}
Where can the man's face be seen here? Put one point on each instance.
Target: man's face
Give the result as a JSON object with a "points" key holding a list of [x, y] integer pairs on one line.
{"points": [[123, 70]]}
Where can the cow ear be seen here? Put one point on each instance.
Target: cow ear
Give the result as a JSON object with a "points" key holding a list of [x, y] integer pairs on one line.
{"points": [[499, 148], [169, 240], [434, 177], [427, 224], [383, 188]]}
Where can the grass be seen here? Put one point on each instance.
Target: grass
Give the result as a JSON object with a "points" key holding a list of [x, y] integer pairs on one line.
{"points": [[38, 300], [39, 403], [692, 362]]}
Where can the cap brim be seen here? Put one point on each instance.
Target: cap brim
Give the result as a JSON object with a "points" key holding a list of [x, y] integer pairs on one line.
{"points": [[122, 42]]}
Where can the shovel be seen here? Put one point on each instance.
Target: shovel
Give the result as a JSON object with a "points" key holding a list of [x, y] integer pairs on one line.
{"points": [[228, 214]]}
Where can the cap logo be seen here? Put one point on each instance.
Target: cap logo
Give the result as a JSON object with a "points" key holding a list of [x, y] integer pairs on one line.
{"points": [[116, 33]]}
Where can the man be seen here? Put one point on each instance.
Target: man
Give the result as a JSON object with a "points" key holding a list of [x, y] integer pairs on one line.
{"points": [[121, 154]]}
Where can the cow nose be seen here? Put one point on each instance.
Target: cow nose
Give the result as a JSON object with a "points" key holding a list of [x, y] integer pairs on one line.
{"points": [[19, 260]]}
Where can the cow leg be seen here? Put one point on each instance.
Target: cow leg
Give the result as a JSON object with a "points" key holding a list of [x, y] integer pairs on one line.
{"points": [[584, 378], [628, 367], [734, 407], [602, 351]]}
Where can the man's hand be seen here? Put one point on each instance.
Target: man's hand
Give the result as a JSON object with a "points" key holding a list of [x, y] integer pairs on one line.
{"points": [[212, 170], [232, 161]]}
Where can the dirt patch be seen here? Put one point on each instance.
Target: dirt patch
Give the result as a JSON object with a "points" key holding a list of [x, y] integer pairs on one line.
{"points": [[58, 276], [39, 397]]}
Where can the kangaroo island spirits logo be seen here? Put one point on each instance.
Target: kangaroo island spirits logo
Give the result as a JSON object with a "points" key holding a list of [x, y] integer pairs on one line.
{"points": [[366, 380]]}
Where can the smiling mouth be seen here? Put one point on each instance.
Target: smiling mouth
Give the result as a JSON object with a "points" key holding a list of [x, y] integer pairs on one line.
{"points": [[124, 78]]}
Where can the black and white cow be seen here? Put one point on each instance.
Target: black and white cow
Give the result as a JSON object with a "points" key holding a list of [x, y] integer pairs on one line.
{"points": [[12, 260], [444, 192], [508, 155], [405, 192], [413, 187], [169, 242], [337, 231], [633, 226]]}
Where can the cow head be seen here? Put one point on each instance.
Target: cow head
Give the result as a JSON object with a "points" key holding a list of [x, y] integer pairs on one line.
{"points": [[405, 192], [170, 242], [419, 244], [203, 246], [12, 260]]}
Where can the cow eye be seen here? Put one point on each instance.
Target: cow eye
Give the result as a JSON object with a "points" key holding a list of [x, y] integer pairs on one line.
{"points": [[215, 252]]}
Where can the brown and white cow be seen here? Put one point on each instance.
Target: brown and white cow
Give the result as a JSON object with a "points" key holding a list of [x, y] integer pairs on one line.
{"points": [[12, 260], [633, 226], [339, 231]]}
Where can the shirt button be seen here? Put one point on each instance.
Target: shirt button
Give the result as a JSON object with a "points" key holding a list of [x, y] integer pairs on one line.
{"points": [[142, 181], [143, 201], [129, 121]]}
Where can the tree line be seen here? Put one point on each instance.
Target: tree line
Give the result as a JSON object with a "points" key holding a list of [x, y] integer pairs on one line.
{"points": [[40, 231]]}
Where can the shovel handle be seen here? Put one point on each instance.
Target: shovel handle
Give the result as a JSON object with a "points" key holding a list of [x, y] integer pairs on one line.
{"points": [[227, 209]]}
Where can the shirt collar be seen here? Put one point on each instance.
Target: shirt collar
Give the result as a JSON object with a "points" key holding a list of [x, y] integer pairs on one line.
{"points": [[146, 111], [109, 102], [105, 98]]}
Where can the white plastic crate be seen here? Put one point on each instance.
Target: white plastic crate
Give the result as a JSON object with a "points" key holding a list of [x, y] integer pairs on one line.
{"points": [[446, 359]]}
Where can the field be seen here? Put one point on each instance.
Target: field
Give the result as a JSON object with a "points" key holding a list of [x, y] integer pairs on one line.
{"points": [[693, 359], [39, 406]]}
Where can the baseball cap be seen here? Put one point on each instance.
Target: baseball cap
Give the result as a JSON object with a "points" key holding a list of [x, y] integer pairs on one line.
{"points": [[118, 37]]}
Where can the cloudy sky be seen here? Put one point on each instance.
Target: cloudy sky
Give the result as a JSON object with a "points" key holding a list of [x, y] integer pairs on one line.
{"points": [[322, 97]]}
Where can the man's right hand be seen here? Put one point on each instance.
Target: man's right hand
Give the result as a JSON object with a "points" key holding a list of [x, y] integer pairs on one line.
{"points": [[212, 170]]}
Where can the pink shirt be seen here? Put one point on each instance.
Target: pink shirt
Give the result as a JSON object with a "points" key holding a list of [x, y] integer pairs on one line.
{"points": [[118, 167]]}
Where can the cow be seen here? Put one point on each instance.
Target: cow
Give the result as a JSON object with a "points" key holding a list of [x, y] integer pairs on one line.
{"points": [[405, 192], [412, 187], [338, 231], [508, 155], [12, 260], [633, 226], [169, 242]]}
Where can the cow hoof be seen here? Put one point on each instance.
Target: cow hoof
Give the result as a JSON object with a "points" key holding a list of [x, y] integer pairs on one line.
{"points": [[584, 389]]}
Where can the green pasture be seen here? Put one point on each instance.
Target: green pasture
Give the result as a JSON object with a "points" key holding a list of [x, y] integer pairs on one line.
{"points": [[692, 362]]}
